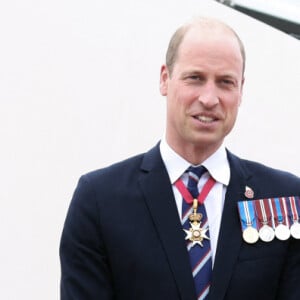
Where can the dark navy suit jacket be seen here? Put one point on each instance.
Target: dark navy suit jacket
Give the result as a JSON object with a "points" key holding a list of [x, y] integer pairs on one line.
{"points": [[123, 240]]}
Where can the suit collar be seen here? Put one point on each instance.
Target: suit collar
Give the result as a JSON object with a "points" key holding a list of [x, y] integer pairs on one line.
{"points": [[159, 198], [217, 164]]}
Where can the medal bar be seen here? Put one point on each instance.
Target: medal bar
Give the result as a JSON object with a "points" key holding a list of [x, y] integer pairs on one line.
{"points": [[294, 205], [266, 232], [248, 222]]}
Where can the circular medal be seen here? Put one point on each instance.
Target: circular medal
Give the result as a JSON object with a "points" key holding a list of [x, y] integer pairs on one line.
{"points": [[295, 230], [250, 235], [266, 233], [282, 232]]}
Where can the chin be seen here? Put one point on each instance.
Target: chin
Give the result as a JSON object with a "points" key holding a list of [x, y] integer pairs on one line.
{"points": [[208, 143]]}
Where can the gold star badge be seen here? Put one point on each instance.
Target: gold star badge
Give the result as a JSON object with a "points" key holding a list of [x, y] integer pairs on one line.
{"points": [[196, 234]]}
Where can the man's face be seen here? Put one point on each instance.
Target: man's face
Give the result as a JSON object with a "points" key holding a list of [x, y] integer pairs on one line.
{"points": [[204, 90]]}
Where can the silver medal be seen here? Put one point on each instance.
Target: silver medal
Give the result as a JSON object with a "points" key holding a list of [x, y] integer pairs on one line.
{"points": [[295, 230], [266, 233], [282, 232]]}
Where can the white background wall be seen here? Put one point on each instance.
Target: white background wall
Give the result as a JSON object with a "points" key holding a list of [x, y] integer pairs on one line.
{"points": [[79, 90]]}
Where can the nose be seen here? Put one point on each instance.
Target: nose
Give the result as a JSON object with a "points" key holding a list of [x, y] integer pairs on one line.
{"points": [[208, 95]]}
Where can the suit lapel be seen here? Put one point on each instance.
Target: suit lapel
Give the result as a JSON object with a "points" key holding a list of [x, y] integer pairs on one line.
{"points": [[230, 237], [156, 186]]}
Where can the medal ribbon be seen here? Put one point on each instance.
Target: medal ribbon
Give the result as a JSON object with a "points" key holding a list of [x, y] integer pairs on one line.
{"points": [[270, 206], [268, 211], [247, 214], [202, 195], [293, 207], [277, 211], [261, 212], [297, 202], [282, 202]]}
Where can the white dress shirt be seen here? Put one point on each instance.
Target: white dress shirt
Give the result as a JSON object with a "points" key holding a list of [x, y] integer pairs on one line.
{"points": [[218, 167]]}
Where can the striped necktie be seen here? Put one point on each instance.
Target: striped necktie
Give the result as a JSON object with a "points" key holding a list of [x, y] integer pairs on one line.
{"points": [[200, 257]]}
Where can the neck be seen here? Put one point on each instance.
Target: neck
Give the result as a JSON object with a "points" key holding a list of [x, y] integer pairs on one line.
{"points": [[194, 154]]}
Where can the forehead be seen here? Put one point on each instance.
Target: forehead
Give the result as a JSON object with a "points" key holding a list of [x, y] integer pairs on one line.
{"points": [[217, 43]]}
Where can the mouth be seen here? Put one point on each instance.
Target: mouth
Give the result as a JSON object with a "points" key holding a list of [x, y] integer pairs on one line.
{"points": [[206, 119]]}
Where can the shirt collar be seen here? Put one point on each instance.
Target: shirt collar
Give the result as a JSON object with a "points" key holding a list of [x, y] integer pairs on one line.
{"points": [[217, 164]]}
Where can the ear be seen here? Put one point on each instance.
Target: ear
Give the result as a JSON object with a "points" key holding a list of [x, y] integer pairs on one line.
{"points": [[164, 77]]}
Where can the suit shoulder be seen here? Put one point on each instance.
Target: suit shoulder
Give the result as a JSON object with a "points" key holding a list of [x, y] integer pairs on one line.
{"points": [[119, 169], [273, 174]]}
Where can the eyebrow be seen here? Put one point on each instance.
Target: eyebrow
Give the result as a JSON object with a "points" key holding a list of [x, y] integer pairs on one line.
{"points": [[198, 72]]}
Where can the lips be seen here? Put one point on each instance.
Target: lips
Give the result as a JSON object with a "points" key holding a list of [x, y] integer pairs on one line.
{"points": [[206, 119]]}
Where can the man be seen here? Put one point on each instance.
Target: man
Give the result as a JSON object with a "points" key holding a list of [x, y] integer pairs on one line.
{"points": [[123, 237]]}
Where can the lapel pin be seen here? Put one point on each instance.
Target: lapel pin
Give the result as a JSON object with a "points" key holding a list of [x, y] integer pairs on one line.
{"points": [[248, 192]]}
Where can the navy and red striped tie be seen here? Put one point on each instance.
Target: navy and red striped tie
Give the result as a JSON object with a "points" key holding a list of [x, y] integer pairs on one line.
{"points": [[200, 257]]}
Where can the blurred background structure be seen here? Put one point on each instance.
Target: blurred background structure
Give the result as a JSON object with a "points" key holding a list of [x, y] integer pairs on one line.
{"points": [[281, 14]]}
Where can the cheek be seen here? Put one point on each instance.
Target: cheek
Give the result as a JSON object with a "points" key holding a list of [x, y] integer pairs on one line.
{"points": [[191, 92], [231, 103], [230, 109], [233, 112], [187, 97], [181, 98]]}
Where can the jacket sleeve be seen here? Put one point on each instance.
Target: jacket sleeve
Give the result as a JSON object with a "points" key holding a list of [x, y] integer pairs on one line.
{"points": [[85, 272]]}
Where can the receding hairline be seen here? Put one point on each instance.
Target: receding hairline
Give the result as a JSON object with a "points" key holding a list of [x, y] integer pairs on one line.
{"points": [[209, 24]]}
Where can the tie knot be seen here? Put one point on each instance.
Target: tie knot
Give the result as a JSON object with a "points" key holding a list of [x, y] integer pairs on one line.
{"points": [[195, 174]]}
